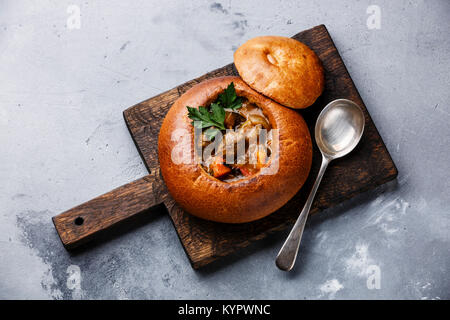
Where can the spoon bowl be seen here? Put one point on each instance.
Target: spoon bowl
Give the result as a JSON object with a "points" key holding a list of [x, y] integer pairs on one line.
{"points": [[338, 130]]}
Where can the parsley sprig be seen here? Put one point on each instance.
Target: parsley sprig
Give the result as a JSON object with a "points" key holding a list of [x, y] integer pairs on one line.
{"points": [[228, 99], [214, 118]]}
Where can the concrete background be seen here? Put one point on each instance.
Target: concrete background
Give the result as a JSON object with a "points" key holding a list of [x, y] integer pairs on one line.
{"points": [[63, 141]]}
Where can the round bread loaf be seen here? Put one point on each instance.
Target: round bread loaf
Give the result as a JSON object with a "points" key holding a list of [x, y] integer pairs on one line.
{"points": [[282, 69], [247, 199]]}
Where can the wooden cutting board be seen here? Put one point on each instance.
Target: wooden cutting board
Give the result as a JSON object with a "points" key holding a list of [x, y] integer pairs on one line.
{"points": [[367, 167]]}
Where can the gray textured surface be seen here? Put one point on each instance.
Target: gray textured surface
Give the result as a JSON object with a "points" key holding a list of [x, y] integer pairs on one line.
{"points": [[63, 141]]}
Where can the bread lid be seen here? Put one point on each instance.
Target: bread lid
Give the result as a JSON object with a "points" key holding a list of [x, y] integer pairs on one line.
{"points": [[283, 69]]}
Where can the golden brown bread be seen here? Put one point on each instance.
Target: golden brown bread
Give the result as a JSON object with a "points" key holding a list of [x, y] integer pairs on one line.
{"points": [[247, 199], [281, 68]]}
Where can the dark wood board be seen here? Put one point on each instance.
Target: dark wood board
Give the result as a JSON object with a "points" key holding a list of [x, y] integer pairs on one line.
{"points": [[367, 167]]}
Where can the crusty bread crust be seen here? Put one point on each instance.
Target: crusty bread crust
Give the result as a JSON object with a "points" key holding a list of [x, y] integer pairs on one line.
{"points": [[281, 68], [250, 198]]}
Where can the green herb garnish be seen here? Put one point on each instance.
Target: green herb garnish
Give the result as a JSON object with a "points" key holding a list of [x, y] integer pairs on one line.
{"points": [[214, 118], [211, 132], [229, 99], [202, 118]]}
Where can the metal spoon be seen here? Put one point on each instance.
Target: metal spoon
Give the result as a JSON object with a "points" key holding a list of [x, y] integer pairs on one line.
{"points": [[339, 128]]}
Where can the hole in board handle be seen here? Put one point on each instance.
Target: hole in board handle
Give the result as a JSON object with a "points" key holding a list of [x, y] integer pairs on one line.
{"points": [[79, 221]]}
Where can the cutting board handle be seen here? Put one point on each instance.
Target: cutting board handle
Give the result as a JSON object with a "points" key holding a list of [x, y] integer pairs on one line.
{"points": [[82, 223]]}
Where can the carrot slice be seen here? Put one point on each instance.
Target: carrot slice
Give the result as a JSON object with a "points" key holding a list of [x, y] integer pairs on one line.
{"points": [[246, 171], [218, 168]]}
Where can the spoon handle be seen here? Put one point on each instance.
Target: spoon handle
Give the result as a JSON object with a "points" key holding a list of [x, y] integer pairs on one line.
{"points": [[288, 252]]}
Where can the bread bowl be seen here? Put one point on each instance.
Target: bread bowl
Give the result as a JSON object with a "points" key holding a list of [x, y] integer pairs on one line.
{"points": [[243, 198], [283, 69]]}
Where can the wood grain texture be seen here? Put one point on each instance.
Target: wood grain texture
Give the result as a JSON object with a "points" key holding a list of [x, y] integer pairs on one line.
{"points": [[367, 167], [82, 223]]}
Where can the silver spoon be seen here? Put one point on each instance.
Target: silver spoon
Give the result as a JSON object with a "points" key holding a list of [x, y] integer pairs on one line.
{"points": [[339, 128]]}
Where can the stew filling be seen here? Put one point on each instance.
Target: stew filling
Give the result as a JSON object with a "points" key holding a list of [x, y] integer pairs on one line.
{"points": [[235, 137]]}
